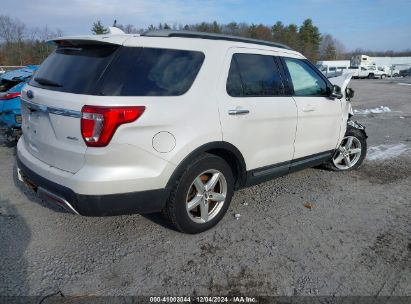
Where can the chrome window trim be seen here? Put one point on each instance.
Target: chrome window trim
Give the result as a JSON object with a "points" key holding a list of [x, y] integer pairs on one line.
{"points": [[52, 110]]}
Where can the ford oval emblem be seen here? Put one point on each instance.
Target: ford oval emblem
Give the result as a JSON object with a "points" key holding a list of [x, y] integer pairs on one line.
{"points": [[30, 94]]}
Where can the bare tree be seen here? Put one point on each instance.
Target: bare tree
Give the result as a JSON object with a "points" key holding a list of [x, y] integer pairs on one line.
{"points": [[7, 29], [130, 29], [331, 48], [339, 48]]}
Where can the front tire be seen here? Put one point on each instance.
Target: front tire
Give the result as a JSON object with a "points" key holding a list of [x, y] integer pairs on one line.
{"points": [[201, 195], [351, 152]]}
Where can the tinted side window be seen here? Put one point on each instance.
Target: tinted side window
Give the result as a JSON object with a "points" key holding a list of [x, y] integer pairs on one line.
{"points": [[305, 80], [151, 72], [234, 85], [257, 74]]}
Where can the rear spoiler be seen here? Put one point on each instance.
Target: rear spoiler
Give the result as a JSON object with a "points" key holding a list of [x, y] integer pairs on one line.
{"points": [[90, 39]]}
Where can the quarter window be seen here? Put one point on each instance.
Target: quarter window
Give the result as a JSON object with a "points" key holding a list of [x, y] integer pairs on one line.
{"points": [[234, 85], [253, 75], [305, 80]]}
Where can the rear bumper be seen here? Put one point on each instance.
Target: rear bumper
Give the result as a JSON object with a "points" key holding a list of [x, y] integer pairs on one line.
{"points": [[93, 205]]}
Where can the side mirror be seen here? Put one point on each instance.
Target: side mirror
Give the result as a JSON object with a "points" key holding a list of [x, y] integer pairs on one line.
{"points": [[349, 93], [336, 92]]}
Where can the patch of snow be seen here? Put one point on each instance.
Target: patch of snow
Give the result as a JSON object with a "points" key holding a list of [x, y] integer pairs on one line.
{"points": [[383, 152], [403, 83], [382, 109]]}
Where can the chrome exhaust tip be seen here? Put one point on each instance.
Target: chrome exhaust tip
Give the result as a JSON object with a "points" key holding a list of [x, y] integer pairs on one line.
{"points": [[55, 199]]}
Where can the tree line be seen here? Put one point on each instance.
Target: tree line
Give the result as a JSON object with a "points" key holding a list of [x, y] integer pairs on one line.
{"points": [[305, 38], [21, 45]]}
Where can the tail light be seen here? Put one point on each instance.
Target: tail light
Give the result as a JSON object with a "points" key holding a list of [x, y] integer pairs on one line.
{"points": [[8, 96], [98, 124]]}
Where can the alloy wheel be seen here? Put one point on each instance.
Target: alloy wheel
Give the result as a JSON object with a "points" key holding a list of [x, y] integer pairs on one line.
{"points": [[348, 153], [206, 196]]}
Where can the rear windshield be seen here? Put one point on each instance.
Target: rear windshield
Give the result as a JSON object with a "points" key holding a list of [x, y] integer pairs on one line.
{"points": [[74, 69], [119, 71]]}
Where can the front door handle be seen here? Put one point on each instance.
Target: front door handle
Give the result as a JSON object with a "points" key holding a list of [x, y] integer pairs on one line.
{"points": [[238, 112], [308, 108]]}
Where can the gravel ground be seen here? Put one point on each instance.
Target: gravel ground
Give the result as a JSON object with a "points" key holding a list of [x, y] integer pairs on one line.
{"points": [[354, 241]]}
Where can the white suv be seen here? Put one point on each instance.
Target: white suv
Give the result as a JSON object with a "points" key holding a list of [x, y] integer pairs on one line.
{"points": [[175, 122]]}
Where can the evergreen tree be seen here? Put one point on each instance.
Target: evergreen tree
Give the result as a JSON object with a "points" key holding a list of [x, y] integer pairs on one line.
{"points": [[98, 28], [291, 36], [310, 39], [278, 32], [202, 27], [215, 27]]}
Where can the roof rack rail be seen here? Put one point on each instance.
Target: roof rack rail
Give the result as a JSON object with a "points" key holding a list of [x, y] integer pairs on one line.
{"points": [[211, 36]]}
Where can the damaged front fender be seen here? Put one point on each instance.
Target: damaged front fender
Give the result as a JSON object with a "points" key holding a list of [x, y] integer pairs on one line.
{"points": [[356, 125]]}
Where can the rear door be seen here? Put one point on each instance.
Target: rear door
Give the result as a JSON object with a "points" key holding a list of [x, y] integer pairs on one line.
{"points": [[257, 114], [319, 116], [52, 102]]}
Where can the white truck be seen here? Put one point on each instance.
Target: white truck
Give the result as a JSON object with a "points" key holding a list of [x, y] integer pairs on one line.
{"points": [[369, 72]]}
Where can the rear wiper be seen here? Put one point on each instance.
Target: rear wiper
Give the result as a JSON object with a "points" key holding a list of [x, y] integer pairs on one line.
{"points": [[47, 82]]}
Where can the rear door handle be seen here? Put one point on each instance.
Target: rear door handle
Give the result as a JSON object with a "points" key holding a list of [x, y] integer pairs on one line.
{"points": [[238, 112]]}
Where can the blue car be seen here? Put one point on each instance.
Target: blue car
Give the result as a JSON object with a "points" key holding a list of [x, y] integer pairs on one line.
{"points": [[11, 84]]}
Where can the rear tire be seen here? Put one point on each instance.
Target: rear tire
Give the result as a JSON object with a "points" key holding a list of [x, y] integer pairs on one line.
{"points": [[371, 76], [351, 152], [201, 195]]}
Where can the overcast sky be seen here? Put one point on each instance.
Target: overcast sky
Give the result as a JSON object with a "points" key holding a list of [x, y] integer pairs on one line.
{"points": [[367, 24]]}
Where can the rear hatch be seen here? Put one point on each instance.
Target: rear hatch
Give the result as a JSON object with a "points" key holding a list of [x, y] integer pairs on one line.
{"points": [[52, 102], [99, 75]]}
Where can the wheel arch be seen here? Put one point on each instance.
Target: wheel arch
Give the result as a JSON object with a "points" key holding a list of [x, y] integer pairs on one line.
{"points": [[351, 124], [223, 149]]}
